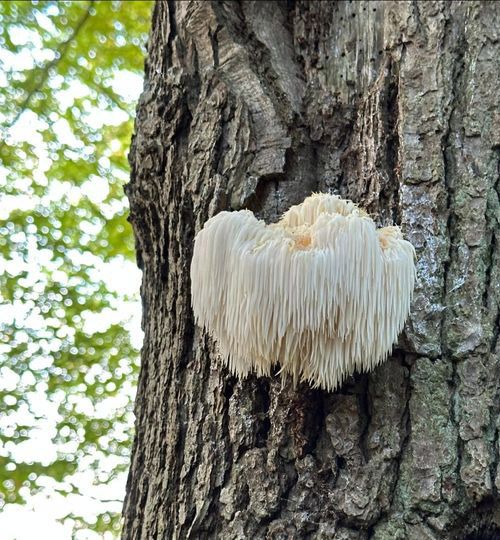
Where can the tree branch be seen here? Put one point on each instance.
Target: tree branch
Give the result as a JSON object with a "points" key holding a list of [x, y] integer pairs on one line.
{"points": [[62, 50]]}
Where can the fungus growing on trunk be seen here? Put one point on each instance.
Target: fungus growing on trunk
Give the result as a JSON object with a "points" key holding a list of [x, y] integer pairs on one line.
{"points": [[322, 292]]}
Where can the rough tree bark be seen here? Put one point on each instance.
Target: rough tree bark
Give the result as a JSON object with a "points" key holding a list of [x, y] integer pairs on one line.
{"points": [[256, 105]]}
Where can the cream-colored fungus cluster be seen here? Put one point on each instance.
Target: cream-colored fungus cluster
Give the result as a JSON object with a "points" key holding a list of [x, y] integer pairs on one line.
{"points": [[322, 293]]}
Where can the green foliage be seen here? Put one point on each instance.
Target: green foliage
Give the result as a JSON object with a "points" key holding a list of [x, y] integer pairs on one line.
{"points": [[66, 118]]}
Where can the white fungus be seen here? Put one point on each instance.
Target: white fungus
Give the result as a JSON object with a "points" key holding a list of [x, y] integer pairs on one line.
{"points": [[322, 293]]}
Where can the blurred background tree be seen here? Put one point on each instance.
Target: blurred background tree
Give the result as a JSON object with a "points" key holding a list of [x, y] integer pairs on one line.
{"points": [[70, 74]]}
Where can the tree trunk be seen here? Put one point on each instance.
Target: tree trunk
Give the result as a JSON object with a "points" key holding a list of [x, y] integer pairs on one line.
{"points": [[256, 105]]}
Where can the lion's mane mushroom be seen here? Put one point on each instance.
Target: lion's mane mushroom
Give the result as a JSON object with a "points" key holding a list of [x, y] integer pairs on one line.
{"points": [[322, 292]]}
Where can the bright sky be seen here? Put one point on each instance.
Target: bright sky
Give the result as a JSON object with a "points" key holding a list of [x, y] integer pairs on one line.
{"points": [[38, 519]]}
